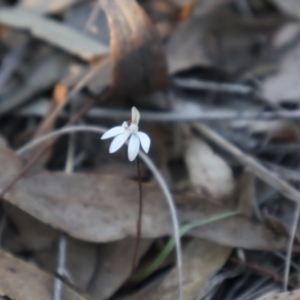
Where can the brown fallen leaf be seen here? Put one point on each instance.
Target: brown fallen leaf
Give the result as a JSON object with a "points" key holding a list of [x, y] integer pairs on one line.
{"points": [[22, 281], [139, 61], [80, 204], [201, 260]]}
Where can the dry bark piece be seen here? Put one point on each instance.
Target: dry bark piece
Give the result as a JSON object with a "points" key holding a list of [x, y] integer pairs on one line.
{"points": [[22, 281], [139, 61], [210, 176], [53, 32], [201, 260]]}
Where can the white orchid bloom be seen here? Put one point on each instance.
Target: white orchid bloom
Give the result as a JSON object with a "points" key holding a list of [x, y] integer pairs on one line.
{"points": [[130, 130]]}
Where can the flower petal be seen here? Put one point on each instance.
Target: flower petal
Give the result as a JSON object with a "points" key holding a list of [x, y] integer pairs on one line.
{"points": [[145, 141], [113, 132], [135, 116], [133, 147], [118, 141]]}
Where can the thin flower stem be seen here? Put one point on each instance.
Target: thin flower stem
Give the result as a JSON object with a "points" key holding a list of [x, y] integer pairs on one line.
{"points": [[140, 213], [159, 178]]}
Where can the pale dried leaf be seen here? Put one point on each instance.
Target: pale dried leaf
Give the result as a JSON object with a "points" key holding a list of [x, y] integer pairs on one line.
{"points": [[201, 260], [32, 234], [115, 263], [22, 281], [80, 204], [53, 32], [284, 85], [290, 7], [294, 295], [81, 260], [46, 6], [210, 176]]}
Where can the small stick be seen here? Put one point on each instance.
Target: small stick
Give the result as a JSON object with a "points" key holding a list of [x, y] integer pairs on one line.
{"points": [[61, 263], [140, 212]]}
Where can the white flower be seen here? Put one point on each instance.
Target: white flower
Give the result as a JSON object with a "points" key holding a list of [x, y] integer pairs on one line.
{"points": [[130, 130]]}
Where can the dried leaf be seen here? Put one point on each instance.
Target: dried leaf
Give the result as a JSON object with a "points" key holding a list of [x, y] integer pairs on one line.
{"points": [[32, 234], [210, 175], [284, 85], [80, 204], [139, 62], [81, 260], [22, 281], [46, 6], [294, 295], [53, 32], [115, 265], [201, 260], [290, 7], [44, 72], [219, 40]]}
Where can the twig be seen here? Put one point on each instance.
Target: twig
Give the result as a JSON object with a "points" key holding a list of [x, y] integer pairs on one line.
{"points": [[197, 84], [140, 213], [159, 178], [290, 247], [261, 269], [260, 171], [2, 227], [197, 115], [92, 16], [61, 263], [63, 241]]}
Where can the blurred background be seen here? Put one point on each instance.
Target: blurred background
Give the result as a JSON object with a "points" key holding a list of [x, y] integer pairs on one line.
{"points": [[217, 84]]}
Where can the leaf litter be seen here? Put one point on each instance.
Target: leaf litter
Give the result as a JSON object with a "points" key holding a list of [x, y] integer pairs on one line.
{"points": [[176, 61]]}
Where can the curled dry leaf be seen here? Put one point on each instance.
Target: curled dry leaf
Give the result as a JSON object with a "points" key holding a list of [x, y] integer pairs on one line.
{"points": [[22, 281], [139, 61], [53, 32], [201, 260], [210, 175]]}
